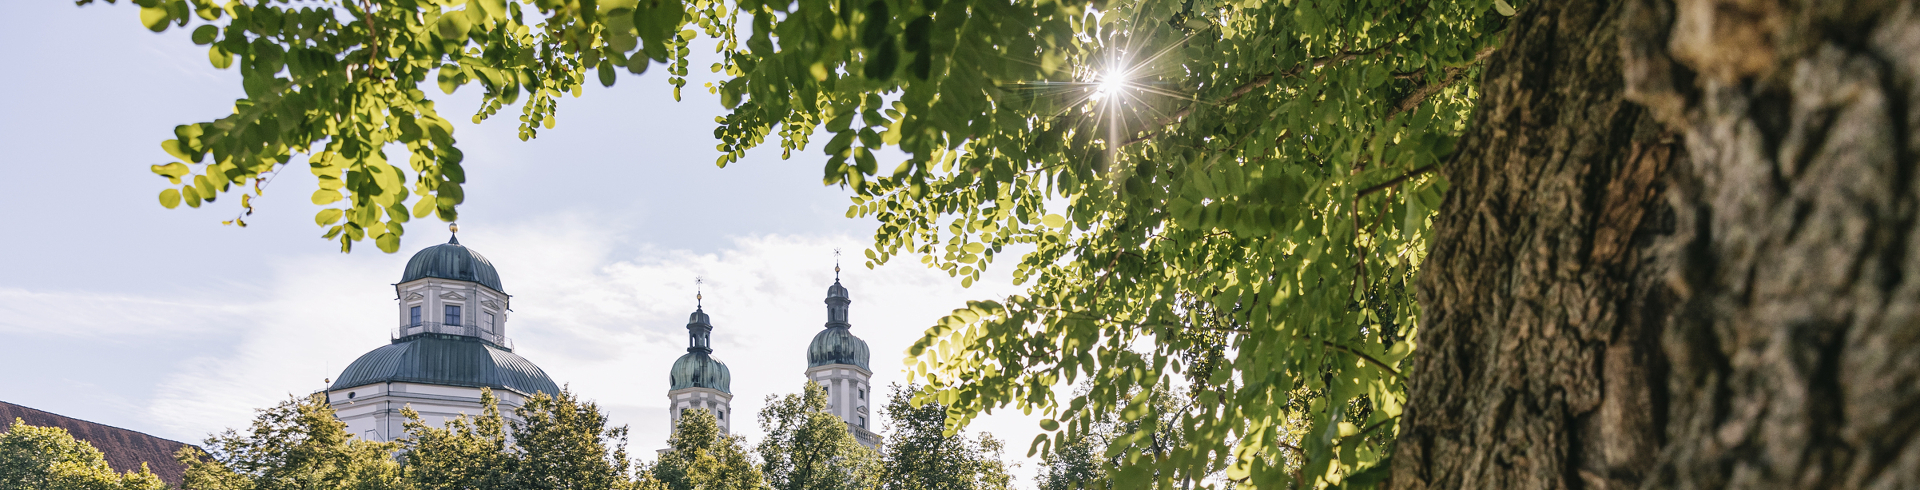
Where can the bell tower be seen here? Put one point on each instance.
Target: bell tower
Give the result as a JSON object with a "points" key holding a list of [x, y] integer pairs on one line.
{"points": [[837, 360], [698, 381]]}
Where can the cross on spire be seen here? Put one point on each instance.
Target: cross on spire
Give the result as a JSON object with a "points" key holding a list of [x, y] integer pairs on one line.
{"points": [[836, 264], [697, 282]]}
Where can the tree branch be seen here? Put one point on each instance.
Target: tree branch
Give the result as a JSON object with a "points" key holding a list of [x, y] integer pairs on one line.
{"points": [[1419, 95], [1396, 180], [1383, 366]]}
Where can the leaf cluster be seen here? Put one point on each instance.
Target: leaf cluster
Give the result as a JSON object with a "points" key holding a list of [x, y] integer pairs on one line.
{"points": [[297, 444], [551, 442], [700, 457], [339, 81], [49, 458], [922, 454], [806, 447]]}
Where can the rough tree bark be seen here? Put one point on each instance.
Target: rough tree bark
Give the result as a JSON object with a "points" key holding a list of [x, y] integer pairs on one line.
{"points": [[1677, 255]]}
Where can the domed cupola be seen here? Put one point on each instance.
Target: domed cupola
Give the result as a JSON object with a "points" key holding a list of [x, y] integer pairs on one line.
{"points": [[698, 368], [698, 381], [837, 361], [835, 344], [452, 261], [447, 360]]}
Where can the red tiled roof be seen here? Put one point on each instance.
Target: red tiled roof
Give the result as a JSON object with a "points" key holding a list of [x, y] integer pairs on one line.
{"points": [[125, 449]]}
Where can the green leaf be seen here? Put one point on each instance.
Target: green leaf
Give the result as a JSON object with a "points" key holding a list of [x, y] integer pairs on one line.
{"points": [[606, 73], [220, 58], [326, 196], [1054, 221], [1049, 425], [155, 18], [1503, 7], [389, 242], [205, 34], [170, 198], [328, 216]]}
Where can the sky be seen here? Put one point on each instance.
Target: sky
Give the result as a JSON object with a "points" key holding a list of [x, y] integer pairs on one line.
{"points": [[118, 311]]}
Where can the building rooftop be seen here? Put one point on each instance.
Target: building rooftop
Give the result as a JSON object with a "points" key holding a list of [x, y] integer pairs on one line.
{"points": [[124, 449]]}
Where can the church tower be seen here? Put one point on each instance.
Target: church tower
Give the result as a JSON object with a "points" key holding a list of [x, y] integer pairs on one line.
{"points": [[700, 382], [450, 343], [837, 360]]}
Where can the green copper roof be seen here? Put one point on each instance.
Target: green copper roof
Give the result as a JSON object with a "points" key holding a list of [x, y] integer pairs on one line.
{"points": [[446, 360], [699, 370], [836, 345], [452, 261]]}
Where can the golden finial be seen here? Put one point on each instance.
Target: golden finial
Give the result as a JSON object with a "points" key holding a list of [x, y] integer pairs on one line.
{"points": [[697, 282], [453, 227], [836, 264]]}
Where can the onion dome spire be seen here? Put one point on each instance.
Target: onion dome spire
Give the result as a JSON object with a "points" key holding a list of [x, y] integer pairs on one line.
{"points": [[699, 326], [835, 344], [697, 368]]}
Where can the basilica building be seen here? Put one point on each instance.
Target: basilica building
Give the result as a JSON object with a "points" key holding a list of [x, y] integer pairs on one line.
{"points": [[451, 343]]}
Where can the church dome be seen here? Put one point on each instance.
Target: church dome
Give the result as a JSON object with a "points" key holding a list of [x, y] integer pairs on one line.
{"points": [[836, 290], [452, 260], [449, 361], [699, 370], [836, 345]]}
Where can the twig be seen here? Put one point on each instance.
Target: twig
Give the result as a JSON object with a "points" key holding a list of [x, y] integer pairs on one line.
{"points": [[1365, 357], [1396, 180], [1419, 95]]}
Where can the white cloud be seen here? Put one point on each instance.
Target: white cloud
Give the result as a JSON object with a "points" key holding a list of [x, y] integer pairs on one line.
{"points": [[597, 314], [94, 316]]}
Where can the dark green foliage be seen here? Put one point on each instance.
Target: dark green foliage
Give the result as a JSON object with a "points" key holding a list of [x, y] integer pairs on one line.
{"points": [[558, 443], [563, 443], [296, 445], [699, 457], [808, 448], [921, 455]]}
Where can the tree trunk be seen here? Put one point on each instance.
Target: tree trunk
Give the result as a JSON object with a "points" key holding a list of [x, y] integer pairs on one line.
{"points": [[1675, 255]]}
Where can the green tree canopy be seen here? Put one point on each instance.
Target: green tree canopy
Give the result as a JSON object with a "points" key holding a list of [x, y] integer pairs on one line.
{"points": [[699, 457], [49, 458], [1255, 173], [554, 442], [921, 454], [564, 443], [464, 453], [296, 445], [807, 447]]}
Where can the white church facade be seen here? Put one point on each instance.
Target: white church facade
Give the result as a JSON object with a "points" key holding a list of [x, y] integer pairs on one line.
{"points": [[451, 342]]}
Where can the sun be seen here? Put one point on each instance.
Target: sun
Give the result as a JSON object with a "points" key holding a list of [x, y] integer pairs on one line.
{"points": [[1111, 84]]}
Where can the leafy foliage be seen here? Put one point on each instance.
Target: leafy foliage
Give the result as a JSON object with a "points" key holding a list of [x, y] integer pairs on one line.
{"points": [[464, 453], [564, 443], [296, 445], [557, 442], [922, 455], [1179, 175], [809, 448], [339, 81], [700, 457], [49, 458], [1093, 461]]}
